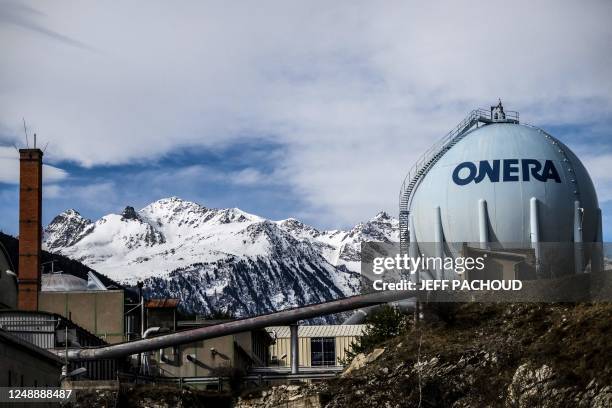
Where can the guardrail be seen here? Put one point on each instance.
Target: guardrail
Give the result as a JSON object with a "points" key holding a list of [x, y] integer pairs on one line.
{"points": [[433, 154]]}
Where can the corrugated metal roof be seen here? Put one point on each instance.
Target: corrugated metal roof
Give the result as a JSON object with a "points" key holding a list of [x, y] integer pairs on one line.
{"points": [[336, 330], [39, 327], [162, 303]]}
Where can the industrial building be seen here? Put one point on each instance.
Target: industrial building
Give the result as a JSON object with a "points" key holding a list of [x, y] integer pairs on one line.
{"points": [[26, 365], [58, 305], [492, 186], [236, 353], [319, 345], [100, 311], [48, 331]]}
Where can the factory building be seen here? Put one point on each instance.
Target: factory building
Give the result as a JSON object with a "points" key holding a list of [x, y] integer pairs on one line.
{"points": [[162, 313], [208, 358], [59, 309], [491, 184], [49, 331], [26, 365], [319, 346], [87, 303]]}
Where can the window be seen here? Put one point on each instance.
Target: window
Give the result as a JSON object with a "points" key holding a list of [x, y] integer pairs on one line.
{"points": [[323, 351]]}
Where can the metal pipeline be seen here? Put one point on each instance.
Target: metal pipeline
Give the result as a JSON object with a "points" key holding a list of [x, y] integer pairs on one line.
{"points": [[360, 315], [237, 326]]}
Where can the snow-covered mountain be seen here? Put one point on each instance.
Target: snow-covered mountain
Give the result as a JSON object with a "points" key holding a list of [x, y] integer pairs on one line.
{"points": [[219, 259]]}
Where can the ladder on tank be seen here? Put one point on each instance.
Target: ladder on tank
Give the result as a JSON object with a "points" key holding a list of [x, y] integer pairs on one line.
{"points": [[431, 157]]}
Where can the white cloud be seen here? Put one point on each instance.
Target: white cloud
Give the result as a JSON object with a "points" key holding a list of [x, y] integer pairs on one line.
{"points": [[9, 168], [600, 169], [355, 90], [194, 174]]}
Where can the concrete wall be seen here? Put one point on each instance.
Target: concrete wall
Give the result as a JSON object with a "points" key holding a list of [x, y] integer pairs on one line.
{"points": [[99, 312], [161, 317], [231, 352], [8, 287], [224, 357]]}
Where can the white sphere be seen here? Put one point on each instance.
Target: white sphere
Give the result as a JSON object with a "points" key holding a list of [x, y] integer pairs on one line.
{"points": [[505, 164]]}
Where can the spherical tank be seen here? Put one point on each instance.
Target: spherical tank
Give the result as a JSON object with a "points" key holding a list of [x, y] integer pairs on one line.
{"points": [[505, 164]]}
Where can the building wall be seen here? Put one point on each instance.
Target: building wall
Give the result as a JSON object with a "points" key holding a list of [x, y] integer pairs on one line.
{"points": [[208, 362], [236, 351], [18, 364], [161, 317], [8, 286], [100, 312], [283, 346]]}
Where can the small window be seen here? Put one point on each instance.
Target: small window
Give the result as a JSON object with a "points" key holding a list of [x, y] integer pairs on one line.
{"points": [[323, 351]]}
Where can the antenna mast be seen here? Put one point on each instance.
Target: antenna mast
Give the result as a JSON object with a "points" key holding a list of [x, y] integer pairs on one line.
{"points": [[25, 130]]}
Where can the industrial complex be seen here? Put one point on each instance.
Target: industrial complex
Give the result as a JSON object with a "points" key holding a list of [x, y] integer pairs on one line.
{"points": [[493, 187], [52, 309]]}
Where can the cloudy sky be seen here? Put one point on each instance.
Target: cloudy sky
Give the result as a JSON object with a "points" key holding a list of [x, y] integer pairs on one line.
{"points": [[308, 109]]}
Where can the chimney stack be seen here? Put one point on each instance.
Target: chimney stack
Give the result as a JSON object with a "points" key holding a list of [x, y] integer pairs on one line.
{"points": [[30, 227]]}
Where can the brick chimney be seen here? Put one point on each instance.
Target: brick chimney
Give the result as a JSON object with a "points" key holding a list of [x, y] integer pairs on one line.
{"points": [[30, 227]]}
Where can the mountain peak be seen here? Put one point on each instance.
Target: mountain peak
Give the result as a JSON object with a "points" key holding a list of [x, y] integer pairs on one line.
{"points": [[381, 216], [69, 216], [129, 213], [65, 229], [170, 200], [71, 212], [298, 228]]}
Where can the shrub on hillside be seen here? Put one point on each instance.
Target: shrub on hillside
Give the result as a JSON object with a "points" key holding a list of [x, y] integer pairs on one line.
{"points": [[384, 323]]}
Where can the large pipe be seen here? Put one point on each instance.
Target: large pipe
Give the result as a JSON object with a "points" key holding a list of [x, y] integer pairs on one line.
{"points": [[439, 241], [483, 227], [237, 326], [534, 224], [295, 348], [578, 252], [360, 316], [597, 260]]}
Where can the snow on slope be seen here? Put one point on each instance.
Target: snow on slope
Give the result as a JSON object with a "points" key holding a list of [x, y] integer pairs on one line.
{"points": [[219, 258]]}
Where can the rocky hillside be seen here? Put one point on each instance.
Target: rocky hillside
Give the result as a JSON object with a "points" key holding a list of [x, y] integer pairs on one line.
{"points": [[219, 259], [521, 355]]}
